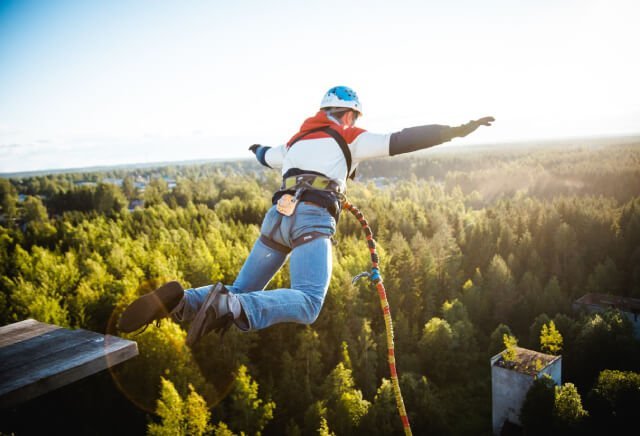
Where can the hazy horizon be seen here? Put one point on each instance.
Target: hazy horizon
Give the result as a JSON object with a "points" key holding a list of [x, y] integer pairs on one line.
{"points": [[91, 84], [590, 141]]}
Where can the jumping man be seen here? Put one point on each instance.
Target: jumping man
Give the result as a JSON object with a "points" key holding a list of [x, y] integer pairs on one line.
{"points": [[315, 164]]}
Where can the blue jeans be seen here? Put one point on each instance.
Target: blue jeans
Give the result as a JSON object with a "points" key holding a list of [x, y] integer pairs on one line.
{"points": [[309, 266]]}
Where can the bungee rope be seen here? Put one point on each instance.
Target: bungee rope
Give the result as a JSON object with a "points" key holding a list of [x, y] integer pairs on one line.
{"points": [[376, 279]]}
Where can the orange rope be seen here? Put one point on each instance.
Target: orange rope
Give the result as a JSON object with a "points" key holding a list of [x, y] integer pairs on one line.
{"points": [[377, 280]]}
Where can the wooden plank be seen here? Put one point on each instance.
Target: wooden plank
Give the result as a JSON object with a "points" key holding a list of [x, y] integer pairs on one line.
{"points": [[5, 329], [51, 372], [53, 358], [17, 325], [31, 386], [30, 350], [23, 330]]}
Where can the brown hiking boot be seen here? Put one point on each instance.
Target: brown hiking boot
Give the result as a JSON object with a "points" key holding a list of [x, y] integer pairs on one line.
{"points": [[151, 307], [215, 314]]}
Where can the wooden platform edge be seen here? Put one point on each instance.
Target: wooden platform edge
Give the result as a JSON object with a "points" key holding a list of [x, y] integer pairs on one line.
{"points": [[24, 330], [117, 351]]}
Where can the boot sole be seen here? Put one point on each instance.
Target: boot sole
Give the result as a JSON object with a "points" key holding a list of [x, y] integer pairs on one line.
{"points": [[154, 305], [195, 329]]}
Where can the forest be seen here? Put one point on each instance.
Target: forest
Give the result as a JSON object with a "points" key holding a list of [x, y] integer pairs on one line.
{"points": [[480, 248]]}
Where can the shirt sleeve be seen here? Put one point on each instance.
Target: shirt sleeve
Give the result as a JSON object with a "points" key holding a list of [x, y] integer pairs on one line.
{"points": [[369, 146], [418, 138], [275, 156]]}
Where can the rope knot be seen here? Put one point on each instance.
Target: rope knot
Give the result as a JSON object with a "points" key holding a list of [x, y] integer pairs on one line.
{"points": [[374, 276]]}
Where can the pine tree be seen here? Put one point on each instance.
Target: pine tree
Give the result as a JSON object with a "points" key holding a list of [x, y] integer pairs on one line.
{"points": [[537, 410], [436, 348], [569, 415], [382, 417], [365, 363], [535, 328], [550, 339], [109, 199], [177, 416], [499, 284], [464, 344], [8, 200], [509, 354], [221, 429], [324, 428], [496, 340], [613, 401], [197, 414], [170, 410], [345, 404], [249, 413]]}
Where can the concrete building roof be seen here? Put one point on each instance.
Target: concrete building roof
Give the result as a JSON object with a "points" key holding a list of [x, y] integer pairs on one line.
{"points": [[526, 361]]}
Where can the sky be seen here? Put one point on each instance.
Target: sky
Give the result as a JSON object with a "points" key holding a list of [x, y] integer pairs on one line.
{"points": [[92, 83]]}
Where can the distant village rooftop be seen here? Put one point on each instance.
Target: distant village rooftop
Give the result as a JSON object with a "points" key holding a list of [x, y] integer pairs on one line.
{"points": [[625, 304], [629, 307], [526, 361]]}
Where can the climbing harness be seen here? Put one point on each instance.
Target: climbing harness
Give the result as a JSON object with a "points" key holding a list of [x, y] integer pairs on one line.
{"points": [[296, 182], [376, 279], [312, 181], [342, 143], [301, 183]]}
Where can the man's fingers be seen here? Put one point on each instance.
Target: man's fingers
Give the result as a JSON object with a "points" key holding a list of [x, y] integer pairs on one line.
{"points": [[486, 121]]}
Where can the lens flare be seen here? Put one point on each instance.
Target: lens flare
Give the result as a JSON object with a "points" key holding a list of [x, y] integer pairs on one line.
{"points": [[164, 353]]}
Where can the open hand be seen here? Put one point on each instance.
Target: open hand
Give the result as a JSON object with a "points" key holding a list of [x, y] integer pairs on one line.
{"points": [[465, 129], [486, 121]]}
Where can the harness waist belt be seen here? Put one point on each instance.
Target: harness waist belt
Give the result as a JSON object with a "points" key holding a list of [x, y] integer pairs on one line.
{"points": [[312, 181]]}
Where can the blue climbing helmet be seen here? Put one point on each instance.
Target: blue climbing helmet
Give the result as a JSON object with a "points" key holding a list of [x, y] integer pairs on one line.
{"points": [[341, 96]]}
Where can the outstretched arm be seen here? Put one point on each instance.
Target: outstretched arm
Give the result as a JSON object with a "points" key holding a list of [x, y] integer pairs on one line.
{"points": [[421, 137], [267, 156]]}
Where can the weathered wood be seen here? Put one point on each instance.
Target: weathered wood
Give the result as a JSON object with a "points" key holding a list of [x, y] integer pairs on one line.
{"points": [[54, 357], [46, 344], [23, 330]]}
